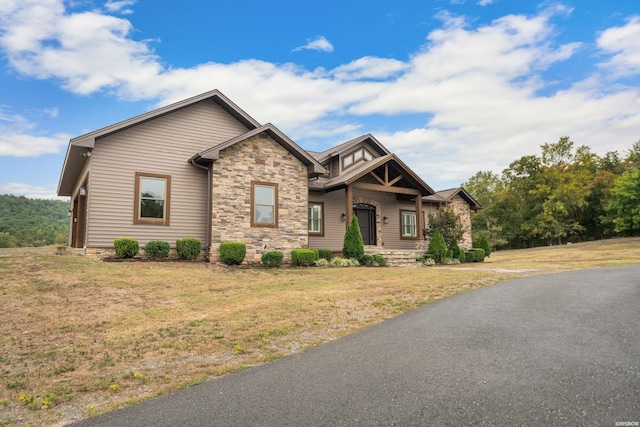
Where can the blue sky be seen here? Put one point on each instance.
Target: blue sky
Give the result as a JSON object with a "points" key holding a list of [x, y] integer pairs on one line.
{"points": [[451, 86]]}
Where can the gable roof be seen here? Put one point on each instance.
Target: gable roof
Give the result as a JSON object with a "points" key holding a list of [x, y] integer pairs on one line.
{"points": [[79, 146], [212, 154], [346, 146], [445, 197], [354, 175]]}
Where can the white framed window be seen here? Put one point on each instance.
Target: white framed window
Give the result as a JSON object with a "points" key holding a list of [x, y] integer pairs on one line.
{"points": [[316, 218], [408, 226]]}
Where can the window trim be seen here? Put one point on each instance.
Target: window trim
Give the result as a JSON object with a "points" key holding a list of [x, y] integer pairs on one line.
{"points": [[165, 220], [321, 232], [274, 185], [402, 225]]}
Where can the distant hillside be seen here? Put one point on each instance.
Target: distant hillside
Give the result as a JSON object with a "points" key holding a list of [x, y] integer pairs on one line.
{"points": [[32, 222]]}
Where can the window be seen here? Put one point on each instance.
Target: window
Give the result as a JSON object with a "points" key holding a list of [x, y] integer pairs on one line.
{"points": [[152, 199], [408, 226], [355, 157], [264, 204], [316, 219]]}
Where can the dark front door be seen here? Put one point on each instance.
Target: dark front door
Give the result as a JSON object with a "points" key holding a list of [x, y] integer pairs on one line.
{"points": [[366, 215]]}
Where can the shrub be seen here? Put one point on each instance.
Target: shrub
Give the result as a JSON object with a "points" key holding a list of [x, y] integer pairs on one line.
{"points": [[470, 256], [321, 262], [380, 260], [455, 250], [272, 259], [303, 257], [437, 247], [325, 254], [232, 253], [461, 255], [157, 249], [353, 246], [479, 254], [367, 260], [188, 248], [484, 244], [126, 247], [344, 262], [426, 260]]}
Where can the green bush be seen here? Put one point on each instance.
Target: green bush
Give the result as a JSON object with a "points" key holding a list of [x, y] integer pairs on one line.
{"points": [[126, 247], [325, 254], [272, 259], [380, 260], [353, 246], [157, 249], [462, 256], [303, 257], [188, 248], [455, 250], [321, 262], [470, 256], [479, 254], [232, 253], [437, 247], [344, 262], [484, 244]]}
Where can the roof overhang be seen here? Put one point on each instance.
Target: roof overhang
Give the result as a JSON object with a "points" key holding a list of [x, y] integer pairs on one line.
{"points": [[74, 160], [212, 154]]}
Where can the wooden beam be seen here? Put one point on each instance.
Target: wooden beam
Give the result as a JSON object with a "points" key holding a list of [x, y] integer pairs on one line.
{"points": [[377, 178], [385, 188], [419, 224], [396, 179], [348, 204]]}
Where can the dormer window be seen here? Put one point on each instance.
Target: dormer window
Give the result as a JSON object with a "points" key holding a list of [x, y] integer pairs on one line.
{"points": [[355, 157]]}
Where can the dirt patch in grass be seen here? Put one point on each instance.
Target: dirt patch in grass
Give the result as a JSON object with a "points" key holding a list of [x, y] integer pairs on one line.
{"points": [[80, 336]]}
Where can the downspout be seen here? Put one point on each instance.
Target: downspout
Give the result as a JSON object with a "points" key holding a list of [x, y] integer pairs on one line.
{"points": [[207, 249]]}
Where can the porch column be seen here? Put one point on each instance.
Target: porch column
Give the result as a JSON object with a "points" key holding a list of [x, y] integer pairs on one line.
{"points": [[419, 223], [348, 204]]}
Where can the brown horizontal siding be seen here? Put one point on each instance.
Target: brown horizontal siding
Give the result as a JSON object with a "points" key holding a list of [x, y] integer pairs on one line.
{"points": [[163, 146]]}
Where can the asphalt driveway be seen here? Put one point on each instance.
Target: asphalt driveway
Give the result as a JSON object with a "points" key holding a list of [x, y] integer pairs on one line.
{"points": [[561, 349]]}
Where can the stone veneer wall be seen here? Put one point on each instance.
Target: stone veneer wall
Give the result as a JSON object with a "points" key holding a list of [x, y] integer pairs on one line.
{"points": [[259, 158], [462, 209]]}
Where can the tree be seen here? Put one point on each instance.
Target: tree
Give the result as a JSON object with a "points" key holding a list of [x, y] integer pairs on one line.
{"points": [[447, 223], [486, 188], [625, 203], [353, 246]]}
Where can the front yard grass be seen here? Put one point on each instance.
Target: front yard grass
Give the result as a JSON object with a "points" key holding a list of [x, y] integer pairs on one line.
{"points": [[80, 336]]}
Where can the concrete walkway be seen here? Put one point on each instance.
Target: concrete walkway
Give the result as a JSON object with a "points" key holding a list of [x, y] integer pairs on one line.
{"points": [[561, 349]]}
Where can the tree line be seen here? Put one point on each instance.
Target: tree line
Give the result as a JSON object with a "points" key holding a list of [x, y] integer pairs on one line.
{"points": [[565, 194], [32, 222]]}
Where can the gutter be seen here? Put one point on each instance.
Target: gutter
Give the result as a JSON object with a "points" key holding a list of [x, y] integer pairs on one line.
{"points": [[207, 249]]}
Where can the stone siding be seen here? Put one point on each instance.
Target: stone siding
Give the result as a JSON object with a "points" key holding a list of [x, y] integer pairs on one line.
{"points": [[259, 158], [462, 209]]}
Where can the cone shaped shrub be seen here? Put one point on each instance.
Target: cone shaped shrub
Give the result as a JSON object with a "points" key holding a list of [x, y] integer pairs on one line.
{"points": [[437, 247], [353, 246]]}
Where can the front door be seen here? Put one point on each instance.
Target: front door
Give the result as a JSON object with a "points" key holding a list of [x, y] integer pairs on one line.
{"points": [[366, 215]]}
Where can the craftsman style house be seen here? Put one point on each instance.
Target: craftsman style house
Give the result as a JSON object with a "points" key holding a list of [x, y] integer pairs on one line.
{"points": [[204, 168]]}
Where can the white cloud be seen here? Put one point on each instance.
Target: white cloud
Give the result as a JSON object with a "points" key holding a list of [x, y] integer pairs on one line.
{"points": [[319, 43], [485, 2], [624, 43], [30, 191], [478, 87], [120, 6], [17, 138]]}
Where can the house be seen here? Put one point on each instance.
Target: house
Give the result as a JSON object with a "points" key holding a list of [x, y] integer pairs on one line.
{"points": [[204, 168]]}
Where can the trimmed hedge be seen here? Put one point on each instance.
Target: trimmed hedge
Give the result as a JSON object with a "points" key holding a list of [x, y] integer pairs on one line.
{"points": [[324, 254], [480, 253], [272, 259], [157, 249], [375, 260], [232, 253], [437, 247], [188, 248], [126, 247], [470, 256], [303, 257]]}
